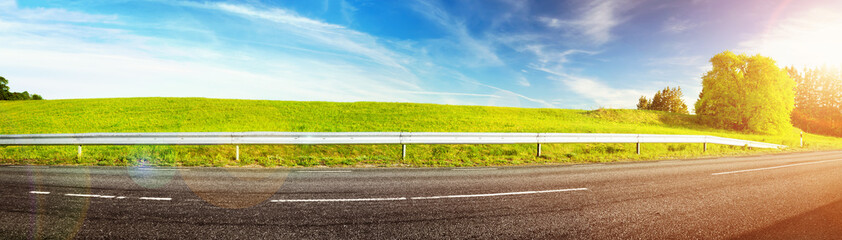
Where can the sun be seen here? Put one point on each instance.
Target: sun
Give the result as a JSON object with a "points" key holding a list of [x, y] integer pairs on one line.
{"points": [[812, 39]]}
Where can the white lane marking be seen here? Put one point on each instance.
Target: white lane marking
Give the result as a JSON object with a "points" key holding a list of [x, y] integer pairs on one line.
{"points": [[155, 198], [423, 198], [162, 169], [768, 168], [121, 197], [339, 200], [25, 166], [81, 195], [88, 195], [308, 171], [499, 194], [473, 169], [39, 192]]}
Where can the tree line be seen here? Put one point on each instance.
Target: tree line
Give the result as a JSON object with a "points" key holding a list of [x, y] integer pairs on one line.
{"points": [[818, 104], [741, 92], [5, 94]]}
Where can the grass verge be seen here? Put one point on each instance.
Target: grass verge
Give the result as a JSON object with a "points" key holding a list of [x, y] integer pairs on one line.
{"points": [[220, 115]]}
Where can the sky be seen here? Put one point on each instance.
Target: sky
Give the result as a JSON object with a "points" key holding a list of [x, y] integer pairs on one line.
{"points": [[536, 54]]}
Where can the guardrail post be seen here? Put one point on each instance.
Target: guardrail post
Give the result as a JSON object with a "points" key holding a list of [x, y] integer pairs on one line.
{"points": [[539, 150], [238, 153], [705, 146], [802, 139], [403, 151], [638, 144], [638, 148], [79, 152]]}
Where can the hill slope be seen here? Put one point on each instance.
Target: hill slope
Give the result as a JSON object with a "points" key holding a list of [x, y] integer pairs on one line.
{"points": [[215, 115]]}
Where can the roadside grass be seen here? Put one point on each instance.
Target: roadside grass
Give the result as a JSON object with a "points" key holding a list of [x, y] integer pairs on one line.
{"points": [[224, 115]]}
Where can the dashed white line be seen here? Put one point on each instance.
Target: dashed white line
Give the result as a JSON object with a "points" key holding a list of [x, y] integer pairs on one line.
{"points": [[423, 198], [473, 169], [162, 169], [498, 194], [39, 192], [89, 195], [775, 167], [81, 195], [339, 200], [155, 198], [308, 171]]}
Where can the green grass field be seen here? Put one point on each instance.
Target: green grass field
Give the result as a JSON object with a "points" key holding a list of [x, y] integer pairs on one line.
{"points": [[222, 115]]}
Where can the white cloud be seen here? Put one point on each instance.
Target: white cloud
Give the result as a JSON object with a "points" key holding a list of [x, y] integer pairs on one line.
{"points": [[675, 25], [603, 94], [596, 21], [8, 4], [325, 34], [810, 38], [479, 52], [523, 81], [679, 61], [600, 93], [77, 60]]}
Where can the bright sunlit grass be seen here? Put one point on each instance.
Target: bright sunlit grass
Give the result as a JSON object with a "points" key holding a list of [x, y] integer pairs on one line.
{"points": [[218, 115]]}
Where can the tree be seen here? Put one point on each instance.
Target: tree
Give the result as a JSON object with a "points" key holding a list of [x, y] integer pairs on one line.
{"points": [[4, 89], [746, 93], [668, 100], [818, 101], [6, 95], [643, 103]]}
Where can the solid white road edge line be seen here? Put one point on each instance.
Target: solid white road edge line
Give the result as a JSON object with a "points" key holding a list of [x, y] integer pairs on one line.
{"points": [[309, 171], [423, 198], [155, 198], [472, 169], [38, 192], [498, 194], [768, 168], [339, 200]]}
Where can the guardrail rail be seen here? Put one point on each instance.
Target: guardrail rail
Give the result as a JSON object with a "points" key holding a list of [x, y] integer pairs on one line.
{"points": [[343, 138]]}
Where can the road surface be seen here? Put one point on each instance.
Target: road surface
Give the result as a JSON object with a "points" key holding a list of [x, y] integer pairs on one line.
{"points": [[783, 196]]}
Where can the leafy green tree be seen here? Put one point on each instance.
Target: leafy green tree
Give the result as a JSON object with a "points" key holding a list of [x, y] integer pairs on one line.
{"points": [[643, 103], [818, 100], [4, 89], [746, 93], [6, 95], [667, 100]]}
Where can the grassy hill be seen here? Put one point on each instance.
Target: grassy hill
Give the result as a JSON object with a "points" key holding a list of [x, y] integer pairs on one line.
{"points": [[206, 115]]}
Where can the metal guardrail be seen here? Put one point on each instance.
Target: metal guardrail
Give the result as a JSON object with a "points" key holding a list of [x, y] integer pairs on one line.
{"points": [[342, 138]]}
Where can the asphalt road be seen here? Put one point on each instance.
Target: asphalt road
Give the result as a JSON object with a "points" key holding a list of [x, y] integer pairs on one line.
{"points": [[780, 196]]}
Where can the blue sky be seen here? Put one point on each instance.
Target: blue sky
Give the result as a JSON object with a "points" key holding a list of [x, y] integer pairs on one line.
{"points": [[558, 54]]}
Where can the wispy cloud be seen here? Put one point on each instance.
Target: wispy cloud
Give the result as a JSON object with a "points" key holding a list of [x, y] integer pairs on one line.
{"points": [[521, 80], [679, 61], [325, 34], [602, 94], [676, 25], [123, 63], [476, 50], [596, 20]]}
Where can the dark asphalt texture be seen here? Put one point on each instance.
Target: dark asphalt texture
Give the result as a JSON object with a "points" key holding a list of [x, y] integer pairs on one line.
{"points": [[677, 199]]}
